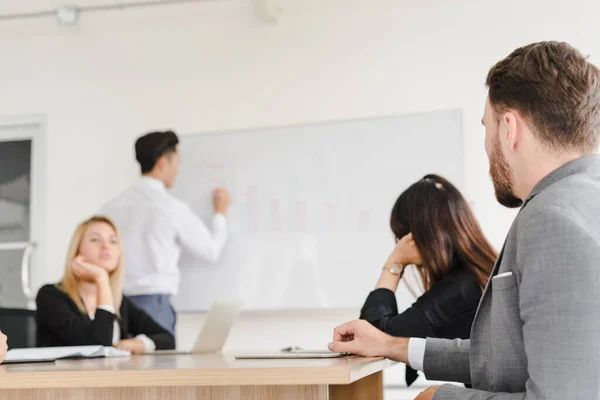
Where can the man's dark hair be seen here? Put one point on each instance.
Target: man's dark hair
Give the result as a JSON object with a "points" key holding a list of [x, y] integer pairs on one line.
{"points": [[555, 88], [152, 146]]}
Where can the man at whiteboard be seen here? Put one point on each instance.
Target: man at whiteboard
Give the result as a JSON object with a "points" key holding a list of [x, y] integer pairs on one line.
{"points": [[155, 226]]}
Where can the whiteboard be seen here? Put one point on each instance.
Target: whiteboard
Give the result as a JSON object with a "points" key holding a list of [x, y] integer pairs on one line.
{"points": [[309, 222]]}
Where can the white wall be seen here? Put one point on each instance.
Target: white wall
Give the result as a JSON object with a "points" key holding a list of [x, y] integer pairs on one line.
{"points": [[214, 66]]}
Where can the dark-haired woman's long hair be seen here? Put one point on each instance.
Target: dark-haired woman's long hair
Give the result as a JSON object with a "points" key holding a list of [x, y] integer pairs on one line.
{"points": [[444, 229]]}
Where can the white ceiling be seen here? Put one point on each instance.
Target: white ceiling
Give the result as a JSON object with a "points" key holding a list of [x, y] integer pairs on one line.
{"points": [[20, 6]]}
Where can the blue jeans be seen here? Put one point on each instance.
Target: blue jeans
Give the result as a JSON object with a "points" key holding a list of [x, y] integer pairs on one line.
{"points": [[159, 307]]}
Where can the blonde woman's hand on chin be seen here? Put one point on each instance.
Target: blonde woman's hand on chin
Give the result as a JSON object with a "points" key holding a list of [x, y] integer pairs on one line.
{"points": [[135, 346], [87, 271], [97, 275]]}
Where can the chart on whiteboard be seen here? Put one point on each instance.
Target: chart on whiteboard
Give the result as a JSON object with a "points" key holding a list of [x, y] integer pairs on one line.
{"points": [[309, 222]]}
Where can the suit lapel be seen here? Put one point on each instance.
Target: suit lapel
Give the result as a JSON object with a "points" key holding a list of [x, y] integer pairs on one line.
{"points": [[497, 264], [489, 282]]}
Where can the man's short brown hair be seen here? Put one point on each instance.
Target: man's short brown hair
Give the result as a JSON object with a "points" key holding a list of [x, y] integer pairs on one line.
{"points": [[554, 87]]}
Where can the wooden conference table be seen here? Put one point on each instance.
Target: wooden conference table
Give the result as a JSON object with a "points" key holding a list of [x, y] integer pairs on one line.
{"points": [[191, 377]]}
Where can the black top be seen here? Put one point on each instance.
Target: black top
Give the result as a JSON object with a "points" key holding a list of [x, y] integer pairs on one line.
{"points": [[61, 323], [445, 311]]}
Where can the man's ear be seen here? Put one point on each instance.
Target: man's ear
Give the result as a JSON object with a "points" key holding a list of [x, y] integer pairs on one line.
{"points": [[169, 157], [161, 162], [510, 136]]}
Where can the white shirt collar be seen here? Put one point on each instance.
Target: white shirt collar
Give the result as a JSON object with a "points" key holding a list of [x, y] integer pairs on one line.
{"points": [[153, 183]]}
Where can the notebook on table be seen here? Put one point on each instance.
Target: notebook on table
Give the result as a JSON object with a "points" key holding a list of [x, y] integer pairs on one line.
{"points": [[50, 354]]}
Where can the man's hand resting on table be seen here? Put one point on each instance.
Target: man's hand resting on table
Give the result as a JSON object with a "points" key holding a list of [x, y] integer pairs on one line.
{"points": [[361, 338]]}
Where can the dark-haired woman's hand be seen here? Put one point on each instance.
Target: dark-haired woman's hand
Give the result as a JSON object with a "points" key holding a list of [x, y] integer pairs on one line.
{"points": [[406, 252]]}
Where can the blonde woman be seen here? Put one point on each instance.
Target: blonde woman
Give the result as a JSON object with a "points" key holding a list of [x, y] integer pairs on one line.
{"points": [[87, 306]]}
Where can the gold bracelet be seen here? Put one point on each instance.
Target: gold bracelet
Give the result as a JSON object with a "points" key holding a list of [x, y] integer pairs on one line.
{"points": [[391, 270]]}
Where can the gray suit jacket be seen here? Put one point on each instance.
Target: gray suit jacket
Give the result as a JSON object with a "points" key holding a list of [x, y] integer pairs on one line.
{"points": [[536, 334]]}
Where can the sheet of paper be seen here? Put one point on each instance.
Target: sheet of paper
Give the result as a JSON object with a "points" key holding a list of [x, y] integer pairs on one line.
{"points": [[49, 353]]}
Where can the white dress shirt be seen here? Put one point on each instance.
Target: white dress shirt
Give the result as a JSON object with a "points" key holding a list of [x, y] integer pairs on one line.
{"points": [[416, 353], [154, 227]]}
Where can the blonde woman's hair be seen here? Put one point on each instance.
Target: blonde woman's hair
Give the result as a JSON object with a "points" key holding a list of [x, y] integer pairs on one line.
{"points": [[68, 284]]}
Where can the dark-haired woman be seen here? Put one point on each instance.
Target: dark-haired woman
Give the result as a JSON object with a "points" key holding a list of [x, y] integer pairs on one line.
{"points": [[437, 234]]}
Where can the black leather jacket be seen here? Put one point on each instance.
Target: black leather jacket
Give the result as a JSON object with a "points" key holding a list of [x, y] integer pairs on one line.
{"points": [[445, 311]]}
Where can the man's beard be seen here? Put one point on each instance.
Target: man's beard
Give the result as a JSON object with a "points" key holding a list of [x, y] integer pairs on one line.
{"points": [[502, 178]]}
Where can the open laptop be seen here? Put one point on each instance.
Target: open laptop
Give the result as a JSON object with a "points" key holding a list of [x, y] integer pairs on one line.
{"points": [[216, 328]]}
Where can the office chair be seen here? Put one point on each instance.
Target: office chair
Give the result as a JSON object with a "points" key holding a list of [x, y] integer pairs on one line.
{"points": [[20, 327]]}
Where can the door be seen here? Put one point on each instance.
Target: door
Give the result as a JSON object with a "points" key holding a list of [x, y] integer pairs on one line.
{"points": [[21, 210]]}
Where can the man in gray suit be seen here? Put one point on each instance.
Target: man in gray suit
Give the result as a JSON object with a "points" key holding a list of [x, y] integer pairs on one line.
{"points": [[536, 334]]}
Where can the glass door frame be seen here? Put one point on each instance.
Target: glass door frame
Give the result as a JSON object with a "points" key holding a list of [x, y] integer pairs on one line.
{"points": [[31, 127]]}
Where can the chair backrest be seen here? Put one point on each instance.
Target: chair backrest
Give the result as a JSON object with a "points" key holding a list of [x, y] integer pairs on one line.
{"points": [[19, 326]]}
